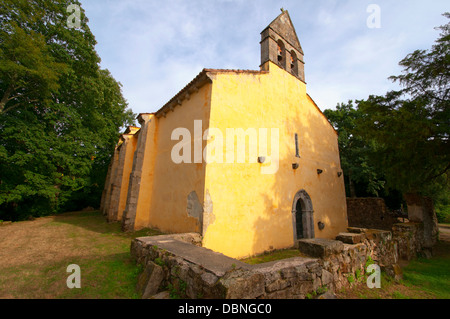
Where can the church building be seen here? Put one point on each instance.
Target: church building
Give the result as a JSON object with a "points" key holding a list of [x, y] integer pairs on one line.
{"points": [[244, 157]]}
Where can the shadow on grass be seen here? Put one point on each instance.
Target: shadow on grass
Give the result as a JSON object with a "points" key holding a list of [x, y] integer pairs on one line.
{"points": [[110, 277], [100, 248], [431, 275], [102, 277], [96, 222]]}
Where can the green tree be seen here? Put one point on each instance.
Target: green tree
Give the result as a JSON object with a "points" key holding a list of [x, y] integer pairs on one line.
{"points": [[410, 127], [361, 177], [398, 143], [60, 114]]}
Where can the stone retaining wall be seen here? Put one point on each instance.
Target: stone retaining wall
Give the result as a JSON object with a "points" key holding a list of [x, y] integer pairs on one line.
{"points": [[409, 238], [328, 265]]}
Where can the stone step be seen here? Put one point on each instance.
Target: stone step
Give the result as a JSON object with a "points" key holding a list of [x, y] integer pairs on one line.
{"points": [[320, 247], [350, 238], [214, 262], [357, 230], [371, 234]]}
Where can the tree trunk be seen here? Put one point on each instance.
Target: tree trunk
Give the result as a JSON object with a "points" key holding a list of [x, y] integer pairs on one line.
{"points": [[6, 96]]}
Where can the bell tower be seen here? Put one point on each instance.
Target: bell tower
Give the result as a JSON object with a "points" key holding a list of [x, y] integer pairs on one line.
{"points": [[280, 45]]}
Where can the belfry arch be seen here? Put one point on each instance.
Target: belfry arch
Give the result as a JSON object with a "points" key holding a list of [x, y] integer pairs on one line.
{"points": [[280, 45], [294, 63], [281, 56]]}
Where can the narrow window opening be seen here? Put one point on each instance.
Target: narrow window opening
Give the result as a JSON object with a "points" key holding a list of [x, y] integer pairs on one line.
{"points": [[297, 150]]}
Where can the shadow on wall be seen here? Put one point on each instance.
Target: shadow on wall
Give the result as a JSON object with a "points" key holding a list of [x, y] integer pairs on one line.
{"points": [[326, 190], [370, 212]]}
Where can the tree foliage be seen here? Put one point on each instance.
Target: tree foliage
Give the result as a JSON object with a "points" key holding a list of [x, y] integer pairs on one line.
{"points": [[60, 114], [402, 138], [411, 127], [360, 175]]}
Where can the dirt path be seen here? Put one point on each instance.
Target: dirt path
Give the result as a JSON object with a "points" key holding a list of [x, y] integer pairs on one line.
{"points": [[444, 233]]}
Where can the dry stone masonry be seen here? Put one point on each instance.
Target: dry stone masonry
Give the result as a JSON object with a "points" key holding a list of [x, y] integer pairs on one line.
{"points": [[178, 264], [369, 213]]}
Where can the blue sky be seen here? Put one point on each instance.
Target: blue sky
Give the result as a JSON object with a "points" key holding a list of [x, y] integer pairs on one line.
{"points": [[154, 48]]}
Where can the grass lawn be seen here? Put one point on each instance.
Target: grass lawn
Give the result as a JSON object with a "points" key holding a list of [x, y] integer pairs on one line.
{"points": [[272, 256], [422, 278], [34, 256]]}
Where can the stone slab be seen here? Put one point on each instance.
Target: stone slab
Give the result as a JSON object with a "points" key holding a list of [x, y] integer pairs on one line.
{"points": [[357, 230], [278, 265], [320, 247], [350, 238], [327, 295], [214, 262], [161, 295], [372, 234], [394, 271], [150, 280]]}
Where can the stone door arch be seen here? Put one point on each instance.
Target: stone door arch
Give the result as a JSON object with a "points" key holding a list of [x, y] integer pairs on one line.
{"points": [[302, 216]]}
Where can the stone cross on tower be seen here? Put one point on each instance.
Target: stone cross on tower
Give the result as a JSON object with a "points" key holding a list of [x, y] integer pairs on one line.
{"points": [[280, 45]]}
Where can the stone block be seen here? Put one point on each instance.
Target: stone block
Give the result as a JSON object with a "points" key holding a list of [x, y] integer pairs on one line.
{"points": [[320, 247], [243, 285], [327, 295], [271, 276], [356, 230], [150, 280], [327, 277], [378, 235], [317, 283], [161, 295], [209, 279], [277, 285], [279, 294], [394, 271], [288, 273], [302, 287], [315, 268], [350, 238]]}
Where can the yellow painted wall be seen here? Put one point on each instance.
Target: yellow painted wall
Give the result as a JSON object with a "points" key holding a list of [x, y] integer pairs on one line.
{"points": [[172, 183], [252, 211]]}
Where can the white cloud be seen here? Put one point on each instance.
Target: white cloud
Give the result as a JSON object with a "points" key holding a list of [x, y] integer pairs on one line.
{"points": [[154, 48]]}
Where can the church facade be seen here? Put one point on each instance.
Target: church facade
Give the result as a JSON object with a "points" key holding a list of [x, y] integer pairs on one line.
{"points": [[245, 158]]}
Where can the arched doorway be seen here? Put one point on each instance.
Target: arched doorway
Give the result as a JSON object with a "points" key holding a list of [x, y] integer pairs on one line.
{"points": [[302, 216]]}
